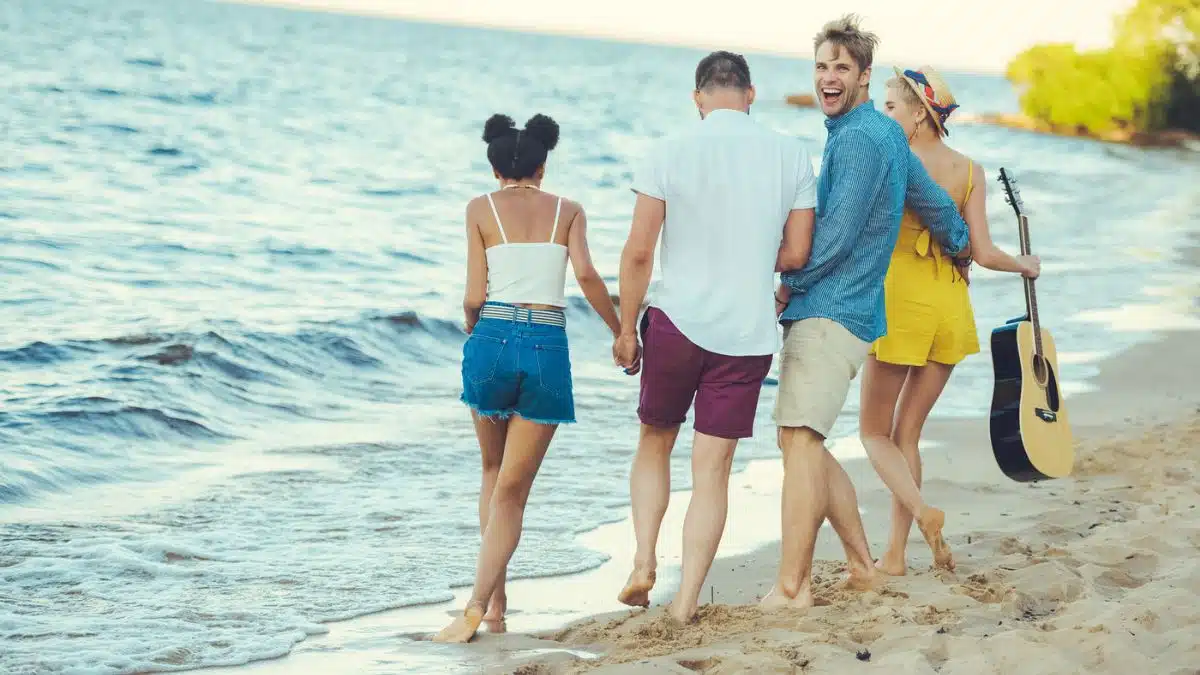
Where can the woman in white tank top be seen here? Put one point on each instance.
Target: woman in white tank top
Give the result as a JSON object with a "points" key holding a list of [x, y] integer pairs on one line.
{"points": [[516, 365]]}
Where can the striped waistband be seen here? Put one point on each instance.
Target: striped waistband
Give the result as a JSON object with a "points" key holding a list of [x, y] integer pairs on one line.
{"points": [[547, 317]]}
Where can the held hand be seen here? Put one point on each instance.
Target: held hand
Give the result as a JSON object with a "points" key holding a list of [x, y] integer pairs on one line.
{"points": [[783, 296], [1031, 266], [627, 353]]}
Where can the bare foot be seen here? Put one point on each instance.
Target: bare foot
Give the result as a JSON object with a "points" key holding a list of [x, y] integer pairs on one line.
{"points": [[862, 579], [497, 607], [777, 599], [682, 614], [464, 627], [892, 565], [930, 522], [773, 600], [637, 590]]}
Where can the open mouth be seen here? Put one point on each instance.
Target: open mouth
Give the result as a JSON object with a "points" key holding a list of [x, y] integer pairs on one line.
{"points": [[830, 95]]}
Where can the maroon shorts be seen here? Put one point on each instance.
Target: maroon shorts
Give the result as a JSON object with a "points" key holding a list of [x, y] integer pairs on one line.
{"points": [[674, 371]]}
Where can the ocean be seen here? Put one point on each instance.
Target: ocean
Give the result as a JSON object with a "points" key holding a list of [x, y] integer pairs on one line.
{"points": [[232, 253]]}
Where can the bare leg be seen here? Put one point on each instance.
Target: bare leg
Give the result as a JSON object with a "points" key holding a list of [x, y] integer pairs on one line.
{"points": [[712, 458], [491, 434], [523, 452], [882, 383], [805, 504], [847, 522], [921, 391], [881, 386], [650, 492]]}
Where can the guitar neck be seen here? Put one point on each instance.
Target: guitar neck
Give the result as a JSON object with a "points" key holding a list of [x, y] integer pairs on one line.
{"points": [[1030, 293]]}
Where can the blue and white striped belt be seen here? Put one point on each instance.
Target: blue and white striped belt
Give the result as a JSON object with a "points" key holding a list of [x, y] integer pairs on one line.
{"points": [[548, 317]]}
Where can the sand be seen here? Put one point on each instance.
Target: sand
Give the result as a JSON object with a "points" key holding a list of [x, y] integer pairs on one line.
{"points": [[1096, 573]]}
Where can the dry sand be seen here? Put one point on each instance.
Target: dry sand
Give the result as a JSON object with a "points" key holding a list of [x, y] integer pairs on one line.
{"points": [[1097, 573]]}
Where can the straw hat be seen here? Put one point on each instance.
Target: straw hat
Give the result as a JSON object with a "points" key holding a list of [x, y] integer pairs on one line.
{"points": [[934, 94]]}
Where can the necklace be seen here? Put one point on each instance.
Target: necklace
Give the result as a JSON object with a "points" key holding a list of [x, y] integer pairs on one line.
{"points": [[516, 186]]}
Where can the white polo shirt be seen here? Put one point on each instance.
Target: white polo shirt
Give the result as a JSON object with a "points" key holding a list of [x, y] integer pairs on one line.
{"points": [[729, 184]]}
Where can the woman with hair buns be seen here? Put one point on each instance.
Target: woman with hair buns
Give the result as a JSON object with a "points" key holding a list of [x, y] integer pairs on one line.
{"points": [[930, 324], [516, 369]]}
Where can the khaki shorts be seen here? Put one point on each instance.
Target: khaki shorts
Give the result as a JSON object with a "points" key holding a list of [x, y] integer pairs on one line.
{"points": [[819, 360]]}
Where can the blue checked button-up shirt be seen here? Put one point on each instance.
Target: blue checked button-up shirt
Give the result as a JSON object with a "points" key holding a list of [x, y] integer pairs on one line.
{"points": [[868, 173]]}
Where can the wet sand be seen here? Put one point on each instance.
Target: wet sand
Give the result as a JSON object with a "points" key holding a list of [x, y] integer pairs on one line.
{"points": [[1095, 573]]}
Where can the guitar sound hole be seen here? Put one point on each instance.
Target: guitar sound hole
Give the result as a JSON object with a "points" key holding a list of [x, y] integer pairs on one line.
{"points": [[1039, 369]]}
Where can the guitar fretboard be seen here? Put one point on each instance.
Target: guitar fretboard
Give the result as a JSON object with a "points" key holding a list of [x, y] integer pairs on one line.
{"points": [[1030, 294]]}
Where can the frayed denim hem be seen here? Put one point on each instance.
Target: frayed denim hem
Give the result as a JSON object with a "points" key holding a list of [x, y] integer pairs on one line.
{"points": [[490, 414], [506, 414]]}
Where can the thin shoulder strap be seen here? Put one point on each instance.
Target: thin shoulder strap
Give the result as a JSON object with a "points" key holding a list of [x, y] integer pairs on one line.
{"points": [[557, 211], [495, 213], [970, 180]]}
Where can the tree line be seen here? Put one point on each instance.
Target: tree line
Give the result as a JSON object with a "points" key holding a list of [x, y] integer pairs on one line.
{"points": [[1148, 81]]}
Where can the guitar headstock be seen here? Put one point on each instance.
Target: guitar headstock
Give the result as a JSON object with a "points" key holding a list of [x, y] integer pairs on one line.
{"points": [[1012, 195]]}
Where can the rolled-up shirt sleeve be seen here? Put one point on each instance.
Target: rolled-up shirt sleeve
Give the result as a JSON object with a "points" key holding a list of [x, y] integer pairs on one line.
{"points": [[806, 181], [650, 176]]}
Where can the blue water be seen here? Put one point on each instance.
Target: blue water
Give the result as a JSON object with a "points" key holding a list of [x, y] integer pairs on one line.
{"points": [[232, 260]]}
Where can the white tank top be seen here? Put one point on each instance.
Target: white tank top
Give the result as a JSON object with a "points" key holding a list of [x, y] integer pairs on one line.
{"points": [[533, 273]]}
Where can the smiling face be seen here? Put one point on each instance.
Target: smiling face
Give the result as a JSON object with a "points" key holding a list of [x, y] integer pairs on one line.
{"points": [[839, 81]]}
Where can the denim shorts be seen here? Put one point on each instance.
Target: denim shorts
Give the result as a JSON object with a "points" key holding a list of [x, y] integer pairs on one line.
{"points": [[514, 366]]}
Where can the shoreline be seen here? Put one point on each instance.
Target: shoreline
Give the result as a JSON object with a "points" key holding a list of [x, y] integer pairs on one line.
{"points": [[569, 605], [1165, 139], [1021, 529], [1172, 139]]}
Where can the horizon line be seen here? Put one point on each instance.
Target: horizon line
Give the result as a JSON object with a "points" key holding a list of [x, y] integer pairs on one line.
{"points": [[602, 36]]}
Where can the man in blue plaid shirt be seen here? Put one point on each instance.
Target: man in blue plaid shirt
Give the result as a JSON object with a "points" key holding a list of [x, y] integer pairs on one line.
{"points": [[833, 308]]}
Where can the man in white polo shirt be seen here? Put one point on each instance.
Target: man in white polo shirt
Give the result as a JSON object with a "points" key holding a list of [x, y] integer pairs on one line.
{"points": [[734, 202]]}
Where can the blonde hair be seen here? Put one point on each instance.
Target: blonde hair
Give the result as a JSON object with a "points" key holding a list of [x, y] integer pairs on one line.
{"points": [[910, 96], [845, 32]]}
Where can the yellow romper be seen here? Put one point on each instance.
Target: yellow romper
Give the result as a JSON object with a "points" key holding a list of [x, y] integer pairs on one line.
{"points": [[929, 316]]}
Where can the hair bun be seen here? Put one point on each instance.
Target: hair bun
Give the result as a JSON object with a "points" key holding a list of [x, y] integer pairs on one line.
{"points": [[544, 129], [498, 126]]}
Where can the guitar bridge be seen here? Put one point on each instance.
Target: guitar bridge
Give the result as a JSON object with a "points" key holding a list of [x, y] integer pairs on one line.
{"points": [[1045, 415]]}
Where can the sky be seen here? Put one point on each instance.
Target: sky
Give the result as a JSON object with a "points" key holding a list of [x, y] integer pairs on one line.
{"points": [[969, 35]]}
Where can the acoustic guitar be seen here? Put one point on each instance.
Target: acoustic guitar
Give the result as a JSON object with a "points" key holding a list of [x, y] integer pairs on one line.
{"points": [[1031, 433]]}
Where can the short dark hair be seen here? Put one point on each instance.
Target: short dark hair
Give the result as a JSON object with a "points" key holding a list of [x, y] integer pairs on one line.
{"points": [[724, 70], [845, 32], [517, 154]]}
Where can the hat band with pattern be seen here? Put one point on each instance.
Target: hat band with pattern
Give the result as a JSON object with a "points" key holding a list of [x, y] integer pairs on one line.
{"points": [[943, 111]]}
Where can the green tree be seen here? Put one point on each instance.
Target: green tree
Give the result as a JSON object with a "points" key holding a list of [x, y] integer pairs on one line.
{"points": [[1148, 80]]}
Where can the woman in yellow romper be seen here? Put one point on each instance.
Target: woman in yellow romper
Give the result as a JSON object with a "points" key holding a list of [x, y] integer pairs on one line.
{"points": [[930, 325]]}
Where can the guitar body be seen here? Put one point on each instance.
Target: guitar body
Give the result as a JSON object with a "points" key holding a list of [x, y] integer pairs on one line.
{"points": [[1030, 428], [1031, 434]]}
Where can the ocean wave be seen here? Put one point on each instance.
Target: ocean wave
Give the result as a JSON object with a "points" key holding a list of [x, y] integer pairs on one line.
{"points": [[165, 392], [234, 260], [215, 579]]}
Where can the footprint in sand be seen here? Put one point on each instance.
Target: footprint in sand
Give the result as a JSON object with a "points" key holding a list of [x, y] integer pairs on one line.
{"points": [[982, 588]]}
